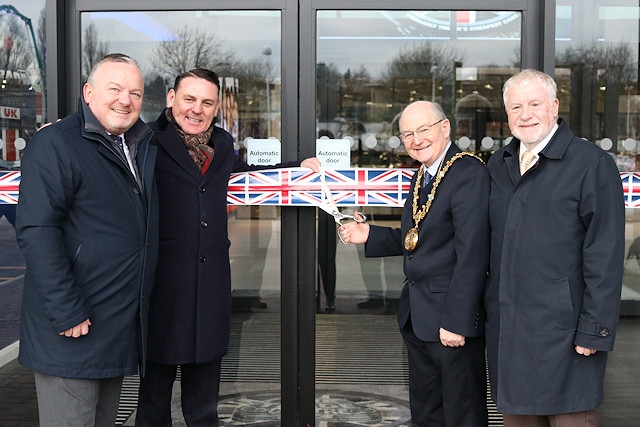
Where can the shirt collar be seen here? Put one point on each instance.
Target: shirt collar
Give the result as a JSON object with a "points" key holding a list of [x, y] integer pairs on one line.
{"points": [[538, 148], [433, 169]]}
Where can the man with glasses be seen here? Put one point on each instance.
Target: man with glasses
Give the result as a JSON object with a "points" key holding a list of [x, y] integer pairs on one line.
{"points": [[444, 237], [557, 254]]}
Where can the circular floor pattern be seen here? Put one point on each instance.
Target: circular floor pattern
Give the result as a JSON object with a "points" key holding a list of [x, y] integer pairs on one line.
{"points": [[333, 409]]}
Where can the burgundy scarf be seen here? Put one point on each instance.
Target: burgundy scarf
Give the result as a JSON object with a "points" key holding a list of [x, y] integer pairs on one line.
{"points": [[200, 152]]}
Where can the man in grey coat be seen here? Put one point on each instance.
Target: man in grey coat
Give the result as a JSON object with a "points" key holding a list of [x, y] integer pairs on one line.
{"points": [[557, 251], [87, 226]]}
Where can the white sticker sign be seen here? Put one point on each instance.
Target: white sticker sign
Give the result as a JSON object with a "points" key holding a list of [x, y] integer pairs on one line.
{"points": [[263, 152], [334, 153]]}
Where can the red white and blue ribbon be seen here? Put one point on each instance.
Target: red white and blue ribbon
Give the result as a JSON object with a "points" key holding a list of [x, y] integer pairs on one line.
{"points": [[302, 187]]}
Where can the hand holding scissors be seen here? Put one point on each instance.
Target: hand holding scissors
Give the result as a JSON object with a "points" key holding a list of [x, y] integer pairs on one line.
{"points": [[331, 208]]}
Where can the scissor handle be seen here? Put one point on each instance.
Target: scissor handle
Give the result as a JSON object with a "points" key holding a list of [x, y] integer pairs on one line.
{"points": [[363, 217]]}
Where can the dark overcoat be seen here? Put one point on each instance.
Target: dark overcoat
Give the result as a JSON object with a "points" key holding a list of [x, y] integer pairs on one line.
{"points": [[191, 302], [446, 273], [557, 255], [88, 232]]}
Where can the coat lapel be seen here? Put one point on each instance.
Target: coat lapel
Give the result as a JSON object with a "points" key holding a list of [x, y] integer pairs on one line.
{"points": [[170, 142]]}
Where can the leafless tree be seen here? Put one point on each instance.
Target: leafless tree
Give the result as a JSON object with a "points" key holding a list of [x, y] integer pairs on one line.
{"points": [[92, 50], [16, 53], [192, 48]]}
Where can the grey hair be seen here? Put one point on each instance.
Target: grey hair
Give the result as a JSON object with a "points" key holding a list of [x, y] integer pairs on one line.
{"points": [[112, 57], [524, 77]]}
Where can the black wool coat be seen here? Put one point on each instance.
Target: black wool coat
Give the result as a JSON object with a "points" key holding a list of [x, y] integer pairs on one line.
{"points": [[191, 301]]}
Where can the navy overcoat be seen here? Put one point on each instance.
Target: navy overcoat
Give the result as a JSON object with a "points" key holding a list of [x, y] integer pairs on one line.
{"points": [[556, 267], [88, 232]]}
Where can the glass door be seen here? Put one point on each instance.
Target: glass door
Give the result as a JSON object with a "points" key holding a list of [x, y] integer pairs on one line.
{"points": [[244, 47], [368, 65]]}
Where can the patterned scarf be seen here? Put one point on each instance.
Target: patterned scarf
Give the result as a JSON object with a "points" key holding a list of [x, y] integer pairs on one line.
{"points": [[200, 152]]}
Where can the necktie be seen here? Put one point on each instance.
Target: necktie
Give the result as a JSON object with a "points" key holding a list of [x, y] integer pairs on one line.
{"points": [[117, 141], [426, 179], [527, 160], [119, 144]]}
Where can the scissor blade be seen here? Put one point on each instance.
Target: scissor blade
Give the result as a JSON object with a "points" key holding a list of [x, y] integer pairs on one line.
{"points": [[328, 209]]}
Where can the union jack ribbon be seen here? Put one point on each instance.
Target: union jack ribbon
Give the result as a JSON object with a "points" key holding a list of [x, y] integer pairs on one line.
{"points": [[302, 187], [631, 188], [9, 182]]}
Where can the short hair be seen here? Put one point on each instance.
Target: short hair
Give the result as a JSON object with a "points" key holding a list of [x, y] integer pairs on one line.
{"points": [[524, 77], [112, 57], [201, 73]]}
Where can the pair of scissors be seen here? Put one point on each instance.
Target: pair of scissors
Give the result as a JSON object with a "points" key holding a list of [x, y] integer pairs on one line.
{"points": [[331, 208]]}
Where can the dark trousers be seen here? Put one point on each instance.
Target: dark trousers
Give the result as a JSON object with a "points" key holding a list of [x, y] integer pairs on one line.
{"points": [[574, 419], [200, 385], [327, 255], [447, 385]]}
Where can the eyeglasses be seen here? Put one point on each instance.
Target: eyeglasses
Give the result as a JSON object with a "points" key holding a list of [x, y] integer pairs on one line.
{"points": [[422, 132]]}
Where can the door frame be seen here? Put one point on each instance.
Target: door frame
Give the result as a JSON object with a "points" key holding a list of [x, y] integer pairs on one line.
{"points": [[298, 279]]}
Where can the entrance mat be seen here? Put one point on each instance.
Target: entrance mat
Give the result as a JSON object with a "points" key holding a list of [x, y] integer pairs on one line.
{"points": [[333, 409]]}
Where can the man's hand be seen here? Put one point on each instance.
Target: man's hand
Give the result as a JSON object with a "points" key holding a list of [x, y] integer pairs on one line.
{"points": [[449, 339], [354, 232], [78, 330], [585, 351], [312, 163]]}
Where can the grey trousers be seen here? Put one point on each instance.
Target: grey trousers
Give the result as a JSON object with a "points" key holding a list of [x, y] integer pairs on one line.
{"points": [[73, 402]]}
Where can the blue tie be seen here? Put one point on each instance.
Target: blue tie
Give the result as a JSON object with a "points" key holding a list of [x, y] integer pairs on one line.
{"points": [[117, 141], [426, 179]]}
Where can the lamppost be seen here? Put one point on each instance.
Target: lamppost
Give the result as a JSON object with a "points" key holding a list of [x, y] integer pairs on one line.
{"points": [[628, 89], [434, 70], [266, 51]]}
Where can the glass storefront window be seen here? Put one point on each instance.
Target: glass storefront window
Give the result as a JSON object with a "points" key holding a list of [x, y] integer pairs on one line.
{"points": [[22, 100], [370, 64], [22, 83], [597, 75]]}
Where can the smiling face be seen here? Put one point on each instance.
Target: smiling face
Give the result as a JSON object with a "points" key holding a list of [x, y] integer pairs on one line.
{"points": [[194, 104], [531, 110], [425, 149], [114, 95]]}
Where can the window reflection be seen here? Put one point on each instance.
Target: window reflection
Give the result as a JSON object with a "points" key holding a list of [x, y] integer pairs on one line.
{"points": [[370, 64], [22, 84], [242, 47]]}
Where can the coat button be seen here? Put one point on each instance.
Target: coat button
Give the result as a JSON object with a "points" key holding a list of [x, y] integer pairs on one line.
{"points": [[604, 332], [203, 258], [204, 224], [202, 189], [136, 190]]}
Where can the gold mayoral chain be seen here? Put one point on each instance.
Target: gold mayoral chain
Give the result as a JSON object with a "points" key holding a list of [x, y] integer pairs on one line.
{"points": [[411, 239]]}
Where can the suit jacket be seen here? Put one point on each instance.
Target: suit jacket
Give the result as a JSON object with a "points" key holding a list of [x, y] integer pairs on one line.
{"points": [[446, 273], [557, 255]]}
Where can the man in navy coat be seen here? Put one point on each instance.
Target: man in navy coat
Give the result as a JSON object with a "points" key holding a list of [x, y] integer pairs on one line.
{"points": [[190, 318], [557, 254], [444, 237], [87, 226]]}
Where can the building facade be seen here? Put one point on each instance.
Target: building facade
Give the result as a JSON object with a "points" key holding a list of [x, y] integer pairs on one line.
{"points": [[296, 71]]}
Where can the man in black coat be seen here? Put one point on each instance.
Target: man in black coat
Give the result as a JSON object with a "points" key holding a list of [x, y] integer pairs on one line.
{"points": [[444, 237], [87, 226], [190, 317]]}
